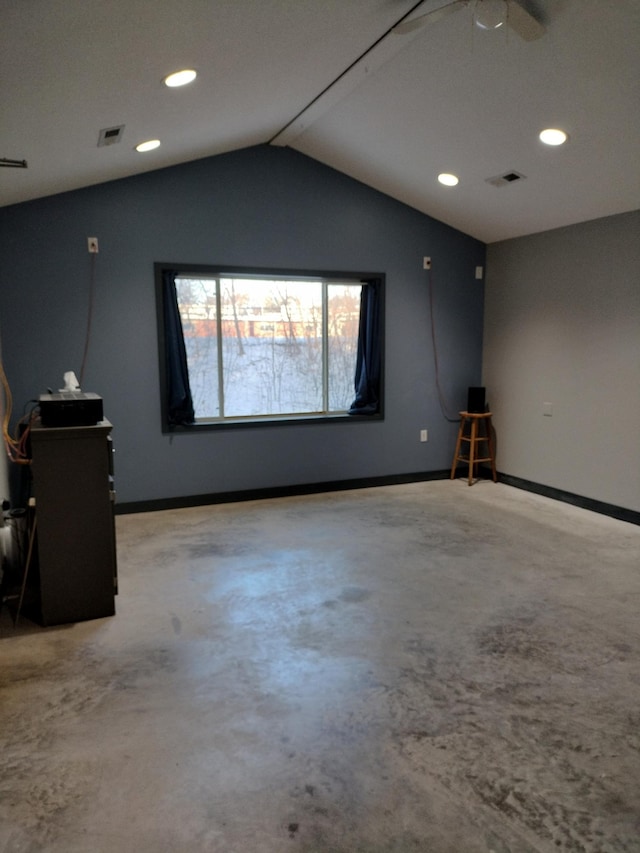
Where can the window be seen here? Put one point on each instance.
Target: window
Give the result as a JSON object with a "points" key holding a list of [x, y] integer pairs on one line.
{"points": [[263, 346]]}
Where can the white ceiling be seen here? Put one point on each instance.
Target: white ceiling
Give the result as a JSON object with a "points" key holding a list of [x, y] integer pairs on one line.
{"points": [[448, 97]]}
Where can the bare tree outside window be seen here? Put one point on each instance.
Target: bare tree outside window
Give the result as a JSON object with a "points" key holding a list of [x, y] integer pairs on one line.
{"points": [[262, 347]]}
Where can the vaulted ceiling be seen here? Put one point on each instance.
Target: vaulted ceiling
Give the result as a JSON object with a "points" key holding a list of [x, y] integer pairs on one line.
{"points": [[331, 79]]}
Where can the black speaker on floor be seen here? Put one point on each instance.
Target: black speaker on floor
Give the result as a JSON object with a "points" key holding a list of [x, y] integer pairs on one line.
{"points": [[476, 403]]}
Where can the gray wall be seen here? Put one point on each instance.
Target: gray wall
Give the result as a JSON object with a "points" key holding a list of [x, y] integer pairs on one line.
{"points": [[562, 325], [257, 207]]}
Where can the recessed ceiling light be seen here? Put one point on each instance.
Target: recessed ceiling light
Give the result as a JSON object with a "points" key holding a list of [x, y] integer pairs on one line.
{"points": [[149, 145], [447, 179], [180, 78], [553, 136]]}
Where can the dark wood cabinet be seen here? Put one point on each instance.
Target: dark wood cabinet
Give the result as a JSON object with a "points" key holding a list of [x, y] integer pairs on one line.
{"points": [[72, 477]]}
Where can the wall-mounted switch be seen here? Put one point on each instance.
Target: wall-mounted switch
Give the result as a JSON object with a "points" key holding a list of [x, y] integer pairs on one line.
{"points": [[426, 263], [424, 435], [92, 245], [479, 273]]}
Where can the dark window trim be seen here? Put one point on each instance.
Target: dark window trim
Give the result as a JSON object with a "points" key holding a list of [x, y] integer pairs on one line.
{"points": [[267, 421]]}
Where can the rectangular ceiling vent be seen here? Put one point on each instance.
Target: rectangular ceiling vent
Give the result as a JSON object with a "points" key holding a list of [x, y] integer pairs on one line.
{"points": [[110, 135], [507, 178]]}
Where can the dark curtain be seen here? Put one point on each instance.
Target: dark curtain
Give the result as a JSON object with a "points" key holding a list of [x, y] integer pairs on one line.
{"points": [[178, 393], [369, 358]]}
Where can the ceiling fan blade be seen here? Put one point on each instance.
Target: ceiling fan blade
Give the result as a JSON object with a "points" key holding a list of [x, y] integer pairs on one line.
{"points": [[429, 17], [524, 24]]}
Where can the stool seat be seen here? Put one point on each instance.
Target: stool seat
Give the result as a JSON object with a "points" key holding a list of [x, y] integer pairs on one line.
{"points": [[477, 433]]}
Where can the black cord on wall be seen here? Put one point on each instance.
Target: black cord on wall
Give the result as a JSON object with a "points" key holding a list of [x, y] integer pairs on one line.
{"points": [[92, 287], [441, 397]]}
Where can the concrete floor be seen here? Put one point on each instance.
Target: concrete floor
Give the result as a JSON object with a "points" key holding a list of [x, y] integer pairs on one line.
{"points": [[428, 667]]}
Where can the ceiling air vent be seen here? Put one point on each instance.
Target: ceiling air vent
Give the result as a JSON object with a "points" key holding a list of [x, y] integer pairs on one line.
{"points": [[110, 135], [507, 178]]}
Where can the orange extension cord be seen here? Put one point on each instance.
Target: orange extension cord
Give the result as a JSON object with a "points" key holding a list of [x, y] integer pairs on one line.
{"points": [[15, 446]]}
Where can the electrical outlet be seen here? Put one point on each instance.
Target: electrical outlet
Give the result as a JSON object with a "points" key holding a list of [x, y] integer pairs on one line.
{"points": [[424, 435], [92, 245], [426, 263]]}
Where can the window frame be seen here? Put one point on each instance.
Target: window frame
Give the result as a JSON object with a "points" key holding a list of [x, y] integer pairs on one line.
{"points": [[266, 272]]}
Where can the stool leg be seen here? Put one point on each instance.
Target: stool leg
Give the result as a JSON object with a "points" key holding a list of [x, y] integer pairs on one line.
{"points": [[472, 447], [32, 538], [457, 450], [492, 453]]}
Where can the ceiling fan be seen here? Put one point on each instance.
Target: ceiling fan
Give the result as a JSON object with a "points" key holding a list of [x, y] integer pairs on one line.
{"points": [[487, 14]]}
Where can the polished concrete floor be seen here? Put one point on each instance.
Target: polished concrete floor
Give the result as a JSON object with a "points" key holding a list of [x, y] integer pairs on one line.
{"points": [[428, 667]]}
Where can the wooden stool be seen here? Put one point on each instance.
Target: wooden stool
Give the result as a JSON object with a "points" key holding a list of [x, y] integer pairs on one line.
{"points": [[473, 437]]}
